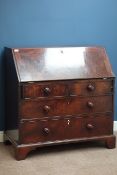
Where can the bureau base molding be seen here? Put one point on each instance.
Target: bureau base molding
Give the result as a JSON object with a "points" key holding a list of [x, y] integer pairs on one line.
{"points": [[21, 151], [2, 132]]}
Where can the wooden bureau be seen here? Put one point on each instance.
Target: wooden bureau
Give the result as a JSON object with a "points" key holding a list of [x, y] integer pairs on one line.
{"points": [[58, 95]]}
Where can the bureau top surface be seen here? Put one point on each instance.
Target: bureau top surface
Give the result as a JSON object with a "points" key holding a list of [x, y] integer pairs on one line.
{"points": [[43, 64]]}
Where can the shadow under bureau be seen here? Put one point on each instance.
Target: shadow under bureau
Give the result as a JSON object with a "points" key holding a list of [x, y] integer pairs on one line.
{"points": [[58, 96]]}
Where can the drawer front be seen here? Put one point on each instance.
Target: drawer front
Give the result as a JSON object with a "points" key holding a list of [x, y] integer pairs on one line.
{"points": [[71, 88], [64, 128], [91, 88], [62, 107], [43, 90]]}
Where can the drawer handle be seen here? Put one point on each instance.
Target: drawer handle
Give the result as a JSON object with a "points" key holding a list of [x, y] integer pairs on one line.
{"points": [[90, 126], [47, 91], [90, 104], [46, 108], [46, 130], [90, 87]]}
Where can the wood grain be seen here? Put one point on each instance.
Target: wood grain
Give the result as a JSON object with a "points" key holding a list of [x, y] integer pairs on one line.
{"points": [[58, 96]]}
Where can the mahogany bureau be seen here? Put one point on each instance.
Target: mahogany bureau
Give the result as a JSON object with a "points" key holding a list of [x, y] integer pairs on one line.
{"points": [[58, 96]]}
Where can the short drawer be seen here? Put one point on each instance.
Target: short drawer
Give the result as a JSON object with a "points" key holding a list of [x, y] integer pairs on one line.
{"points": [[36, 90], [92, 87], [67, 106], [64, 128]]}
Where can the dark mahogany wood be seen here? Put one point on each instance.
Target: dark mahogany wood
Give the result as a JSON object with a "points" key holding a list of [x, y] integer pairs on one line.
{"points": [[111, 142], [66, 88], [62, 107], [22, 152], [53, 129], [44, 64], [35, 90], [58, 96]]}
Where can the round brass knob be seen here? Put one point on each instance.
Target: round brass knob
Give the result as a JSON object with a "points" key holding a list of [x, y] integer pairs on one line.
{"points": [[90, 104], [47, 91], [46, 130], [90, 126], [46, 108], [90, 87]]}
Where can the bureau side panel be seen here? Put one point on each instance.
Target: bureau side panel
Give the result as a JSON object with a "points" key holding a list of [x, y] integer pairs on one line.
{"points": [[11, 91]]}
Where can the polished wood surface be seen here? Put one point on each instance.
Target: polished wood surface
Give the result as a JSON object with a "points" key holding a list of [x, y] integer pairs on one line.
{"points": [[64, 128], [66, 88], [63, 107], [43, 64], [58, 96]]}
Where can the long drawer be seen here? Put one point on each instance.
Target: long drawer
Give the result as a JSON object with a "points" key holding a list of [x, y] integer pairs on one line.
{"points": [[66, 106], [53, 129], [67, 88]]}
